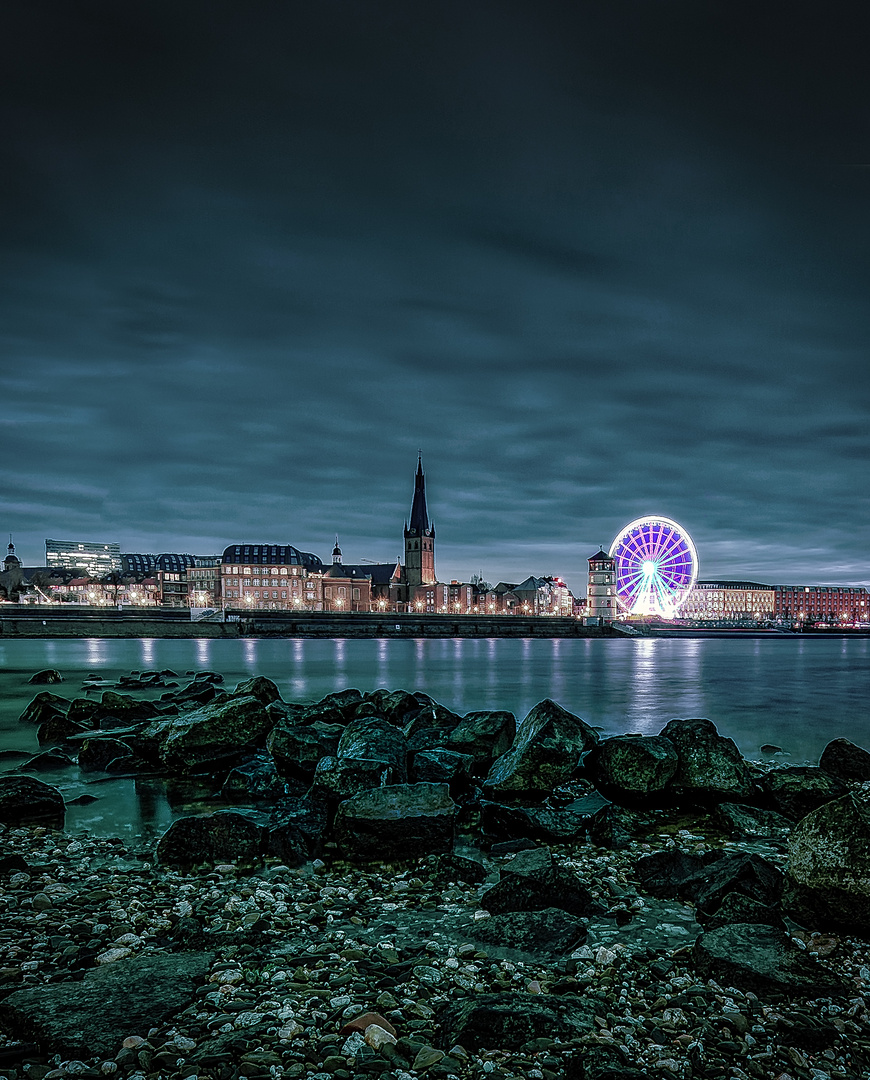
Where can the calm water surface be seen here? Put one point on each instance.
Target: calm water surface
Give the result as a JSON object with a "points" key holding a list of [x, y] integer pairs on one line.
{"points": [[796, 693]]}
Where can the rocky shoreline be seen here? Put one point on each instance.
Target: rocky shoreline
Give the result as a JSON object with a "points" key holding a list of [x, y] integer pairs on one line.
{"points": [[397, 891]]}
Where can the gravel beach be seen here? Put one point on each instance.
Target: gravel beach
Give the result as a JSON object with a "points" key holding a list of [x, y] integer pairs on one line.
{"points": [[591, 910]]}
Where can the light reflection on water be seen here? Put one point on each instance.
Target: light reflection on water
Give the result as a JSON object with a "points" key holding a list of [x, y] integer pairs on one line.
{"points": [[797, 692]]}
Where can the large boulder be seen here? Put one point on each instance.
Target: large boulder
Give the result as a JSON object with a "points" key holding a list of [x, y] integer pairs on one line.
{"points": [[204, 738], [95, 754], [504, 821], [338, 708], [532, 882], [397, 706], [709, 766], [256, 779], [90, 1017], [431, 727], [509, 1021], [484, 735], [828, 872], [845, 760], [372, 738], [707, 879], [630, 768], [46, 677], [548, 747], [797, 790], [297, 827], [297, 747], [25, 800], [752, 956], [259, 687], [45, 706], [396, 822], [222, 836], [442, 767], [741, 821], [550, 932], [58, 728]]}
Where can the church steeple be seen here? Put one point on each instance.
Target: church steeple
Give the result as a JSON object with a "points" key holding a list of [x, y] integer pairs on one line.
{"points": [[419, 515], [420, 536], [336, 554]]}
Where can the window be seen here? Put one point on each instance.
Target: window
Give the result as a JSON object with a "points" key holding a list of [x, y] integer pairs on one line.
{"points": [[246, 570], [283, 594]]}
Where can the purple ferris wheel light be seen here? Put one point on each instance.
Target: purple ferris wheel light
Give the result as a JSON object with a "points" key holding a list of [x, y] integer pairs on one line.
{"points": [[656, 566]]}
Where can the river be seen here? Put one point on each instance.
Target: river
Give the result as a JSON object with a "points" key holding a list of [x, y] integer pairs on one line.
{"points": [[796, 693]]}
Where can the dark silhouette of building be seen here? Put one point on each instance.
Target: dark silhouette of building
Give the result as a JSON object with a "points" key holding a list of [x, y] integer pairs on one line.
{"points": [[419, 537]]}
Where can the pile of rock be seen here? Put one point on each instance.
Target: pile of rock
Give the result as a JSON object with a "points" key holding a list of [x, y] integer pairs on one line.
{"points": [[667, 850]]}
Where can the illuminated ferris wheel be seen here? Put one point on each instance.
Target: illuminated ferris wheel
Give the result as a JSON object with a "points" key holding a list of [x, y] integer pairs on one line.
{"points": [[656, 566]]}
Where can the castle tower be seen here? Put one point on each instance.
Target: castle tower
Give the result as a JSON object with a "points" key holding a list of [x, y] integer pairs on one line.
{"points": [[419, 537], [602, 586], [336, 554]]}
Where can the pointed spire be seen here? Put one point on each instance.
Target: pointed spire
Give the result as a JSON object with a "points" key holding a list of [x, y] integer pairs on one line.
{"points": [[419, 522], [336, 552]]}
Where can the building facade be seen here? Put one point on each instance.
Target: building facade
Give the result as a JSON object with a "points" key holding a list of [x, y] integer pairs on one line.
{"points": [[827, 604], [267, 577], [96, 559], [729, 601]]}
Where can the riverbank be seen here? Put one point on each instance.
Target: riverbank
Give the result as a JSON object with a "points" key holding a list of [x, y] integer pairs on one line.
{"points": [[574, 908], [32, 622]]}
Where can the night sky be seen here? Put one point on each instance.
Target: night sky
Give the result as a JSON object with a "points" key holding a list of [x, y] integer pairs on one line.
{"points": [[595, 259]]}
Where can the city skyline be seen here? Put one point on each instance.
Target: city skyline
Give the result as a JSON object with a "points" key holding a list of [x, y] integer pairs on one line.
{"points": [[598, 261]]}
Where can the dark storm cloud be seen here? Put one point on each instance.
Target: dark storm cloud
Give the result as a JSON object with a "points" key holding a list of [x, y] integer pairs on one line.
{"points": [[597, 260]]}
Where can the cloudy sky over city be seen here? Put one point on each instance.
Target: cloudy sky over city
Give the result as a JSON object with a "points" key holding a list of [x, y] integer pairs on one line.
{"points": [[596, 260]]}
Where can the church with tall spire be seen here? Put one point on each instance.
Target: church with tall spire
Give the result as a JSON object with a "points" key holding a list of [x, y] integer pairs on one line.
{"points": [[419, 536]]}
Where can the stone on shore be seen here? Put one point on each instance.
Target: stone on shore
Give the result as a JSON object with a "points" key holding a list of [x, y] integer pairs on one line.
{"points": [[256, 779], [505, 822], [260, 687], [374, 739], [760, 958], [741, 821], [629, 768], [509, 1021], [95, 754], [549, 932], [532, 881], [222, 836], [395, 822], [828, 872], [46, 677], [484, 735], [44, 707], [799, 789], [710, 767], [546, 752], [845, 760], [25, 800], [205, 737], [94, 1015], [298, 747]]}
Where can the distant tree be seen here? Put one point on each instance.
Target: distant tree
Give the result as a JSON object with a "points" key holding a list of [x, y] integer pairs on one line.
{"points": [[12, 583], [45, 581], [115, 581]]}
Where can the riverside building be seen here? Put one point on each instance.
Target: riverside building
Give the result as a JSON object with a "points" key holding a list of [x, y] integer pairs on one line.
{"points": [[94, 558], [729, 601]]}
